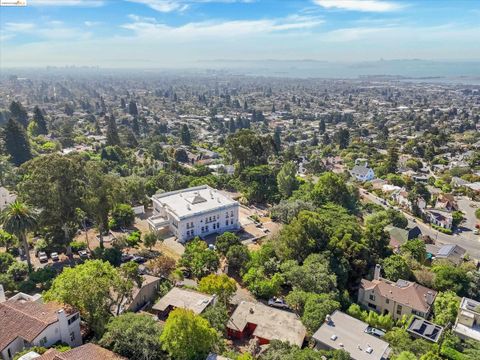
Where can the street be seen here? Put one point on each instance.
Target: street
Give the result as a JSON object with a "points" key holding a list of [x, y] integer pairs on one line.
{"points": [[465, 237]]}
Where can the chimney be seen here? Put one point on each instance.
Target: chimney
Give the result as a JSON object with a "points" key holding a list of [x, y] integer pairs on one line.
{"points": [[376, 274], [2, 294], [63, 326], [429, 298]]}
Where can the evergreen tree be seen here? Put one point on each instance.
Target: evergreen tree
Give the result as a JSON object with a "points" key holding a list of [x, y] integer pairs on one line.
{"points": [[342, 138], [135, 126], [19, 113], [132, 108], [392, 159], [276, 139], [273, 108], [185, 135], [123, 105], [16, 142], [245, 105], [322, 126], [39, 119], [112, 132]]}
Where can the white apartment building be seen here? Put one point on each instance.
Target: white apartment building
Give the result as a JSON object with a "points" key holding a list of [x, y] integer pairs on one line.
{"points": [[6, 198], [197, 211]]}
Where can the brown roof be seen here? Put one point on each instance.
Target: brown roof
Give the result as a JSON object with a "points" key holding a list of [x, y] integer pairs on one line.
{"points": [[25, 319], [403, 292], [85, 352]]}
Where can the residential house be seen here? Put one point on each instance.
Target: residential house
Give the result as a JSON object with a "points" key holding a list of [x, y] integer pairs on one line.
{"points": [[395, 298], [451, 252], [424, 329], [6, 198], [467, 325], [182, 298], [196, 211], [25, 322], [362, 173], [446, 202], [265, 324], [343, 332], [440, 218], [399, 236], [85, 352], [142, 296]]}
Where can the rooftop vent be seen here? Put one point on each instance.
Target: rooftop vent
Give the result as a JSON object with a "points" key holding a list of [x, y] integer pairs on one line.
{"points": [[333, 337], [369, 349]]}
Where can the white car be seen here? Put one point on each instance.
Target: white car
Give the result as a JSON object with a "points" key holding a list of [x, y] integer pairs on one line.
{"points": [[42, 256], [54, 256]]}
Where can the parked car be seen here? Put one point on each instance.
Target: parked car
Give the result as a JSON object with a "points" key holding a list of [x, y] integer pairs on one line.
{"points": [[126, 257], [138, 259], [212, 247], [374, 331], [42, 256], [54, 256], [476, 232], [83, 254], [278, 303]]}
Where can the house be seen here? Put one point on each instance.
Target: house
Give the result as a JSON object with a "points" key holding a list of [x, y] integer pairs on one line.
{"points": [[182, 298], [458, 182], [6, 198], [265, 324], [142, 296], [25, 322], [401, 198], [440, 218], [467, 325], [85, 352], [395, 298], [446, 202], [423, 329], [343, 332], [362, 173], [400, 236], [196, 211], [451, 252]]}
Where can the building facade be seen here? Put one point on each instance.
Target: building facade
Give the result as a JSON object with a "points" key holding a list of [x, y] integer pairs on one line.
{"points": [[197, 211]]}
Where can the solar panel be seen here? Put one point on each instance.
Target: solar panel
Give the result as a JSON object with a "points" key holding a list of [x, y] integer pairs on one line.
{"points": [[416, 325], [429, 330]]}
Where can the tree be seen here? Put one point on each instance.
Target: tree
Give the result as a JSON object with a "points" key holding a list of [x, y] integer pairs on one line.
{"points": [[6, 260], [123, 215], [199, 259], [19, 113], [19, 219], [132, 108], [187, 336], [247, 148], [54, 184], [225, 241], [185, 135], [7, 240], [40, 123], [286, 180], [406, 355], [322, 127], [376, 238], [220, 285], [395, 268], [445, 308], [134, 336], [431, 356], [392, 159], [330, 187], [150, 239], [449, 277], [342, 138], [181, 155], [161, 266], [217, 316], [416, 249], [237, 256], [317, 307], [91, 288], [16, 142], [112, 132]]}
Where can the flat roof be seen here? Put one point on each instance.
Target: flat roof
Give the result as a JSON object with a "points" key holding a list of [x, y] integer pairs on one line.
{"points": [[271, 323], [185, 299], [344, 332], [425, 329], [194, 201]]}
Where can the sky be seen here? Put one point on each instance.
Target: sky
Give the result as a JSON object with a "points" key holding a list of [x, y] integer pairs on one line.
{"points": [[189, 33]]}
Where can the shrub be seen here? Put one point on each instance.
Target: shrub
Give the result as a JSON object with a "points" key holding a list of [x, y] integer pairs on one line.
{"points": [[78, 245], [123, 216]]}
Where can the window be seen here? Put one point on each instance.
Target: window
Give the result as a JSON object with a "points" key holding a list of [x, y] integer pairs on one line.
{"points": [[226, 222], [399, 309], [373, 306], [231, 213], [206, 228], [72, 336], [231, 221], [43, 341], [226, 215], [73, 318], [387, 301], [203, 229], [372, 297], [214, 226], [218, 225]]}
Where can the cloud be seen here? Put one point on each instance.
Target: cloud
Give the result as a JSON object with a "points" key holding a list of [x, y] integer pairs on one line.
{"points": [[18, 27], [149, 27], [167, 6], [81, 3], [92, 23], [360, 5]]}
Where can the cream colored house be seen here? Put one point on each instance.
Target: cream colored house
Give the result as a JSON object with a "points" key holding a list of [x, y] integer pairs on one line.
{"points": [[467, 325], [395, 298]]}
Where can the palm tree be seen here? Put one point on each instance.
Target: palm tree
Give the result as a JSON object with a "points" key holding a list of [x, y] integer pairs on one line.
{"points": [[18, 219]]}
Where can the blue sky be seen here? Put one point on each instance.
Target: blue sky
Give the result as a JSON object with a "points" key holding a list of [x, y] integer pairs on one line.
{"points": [[181, 33]]}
